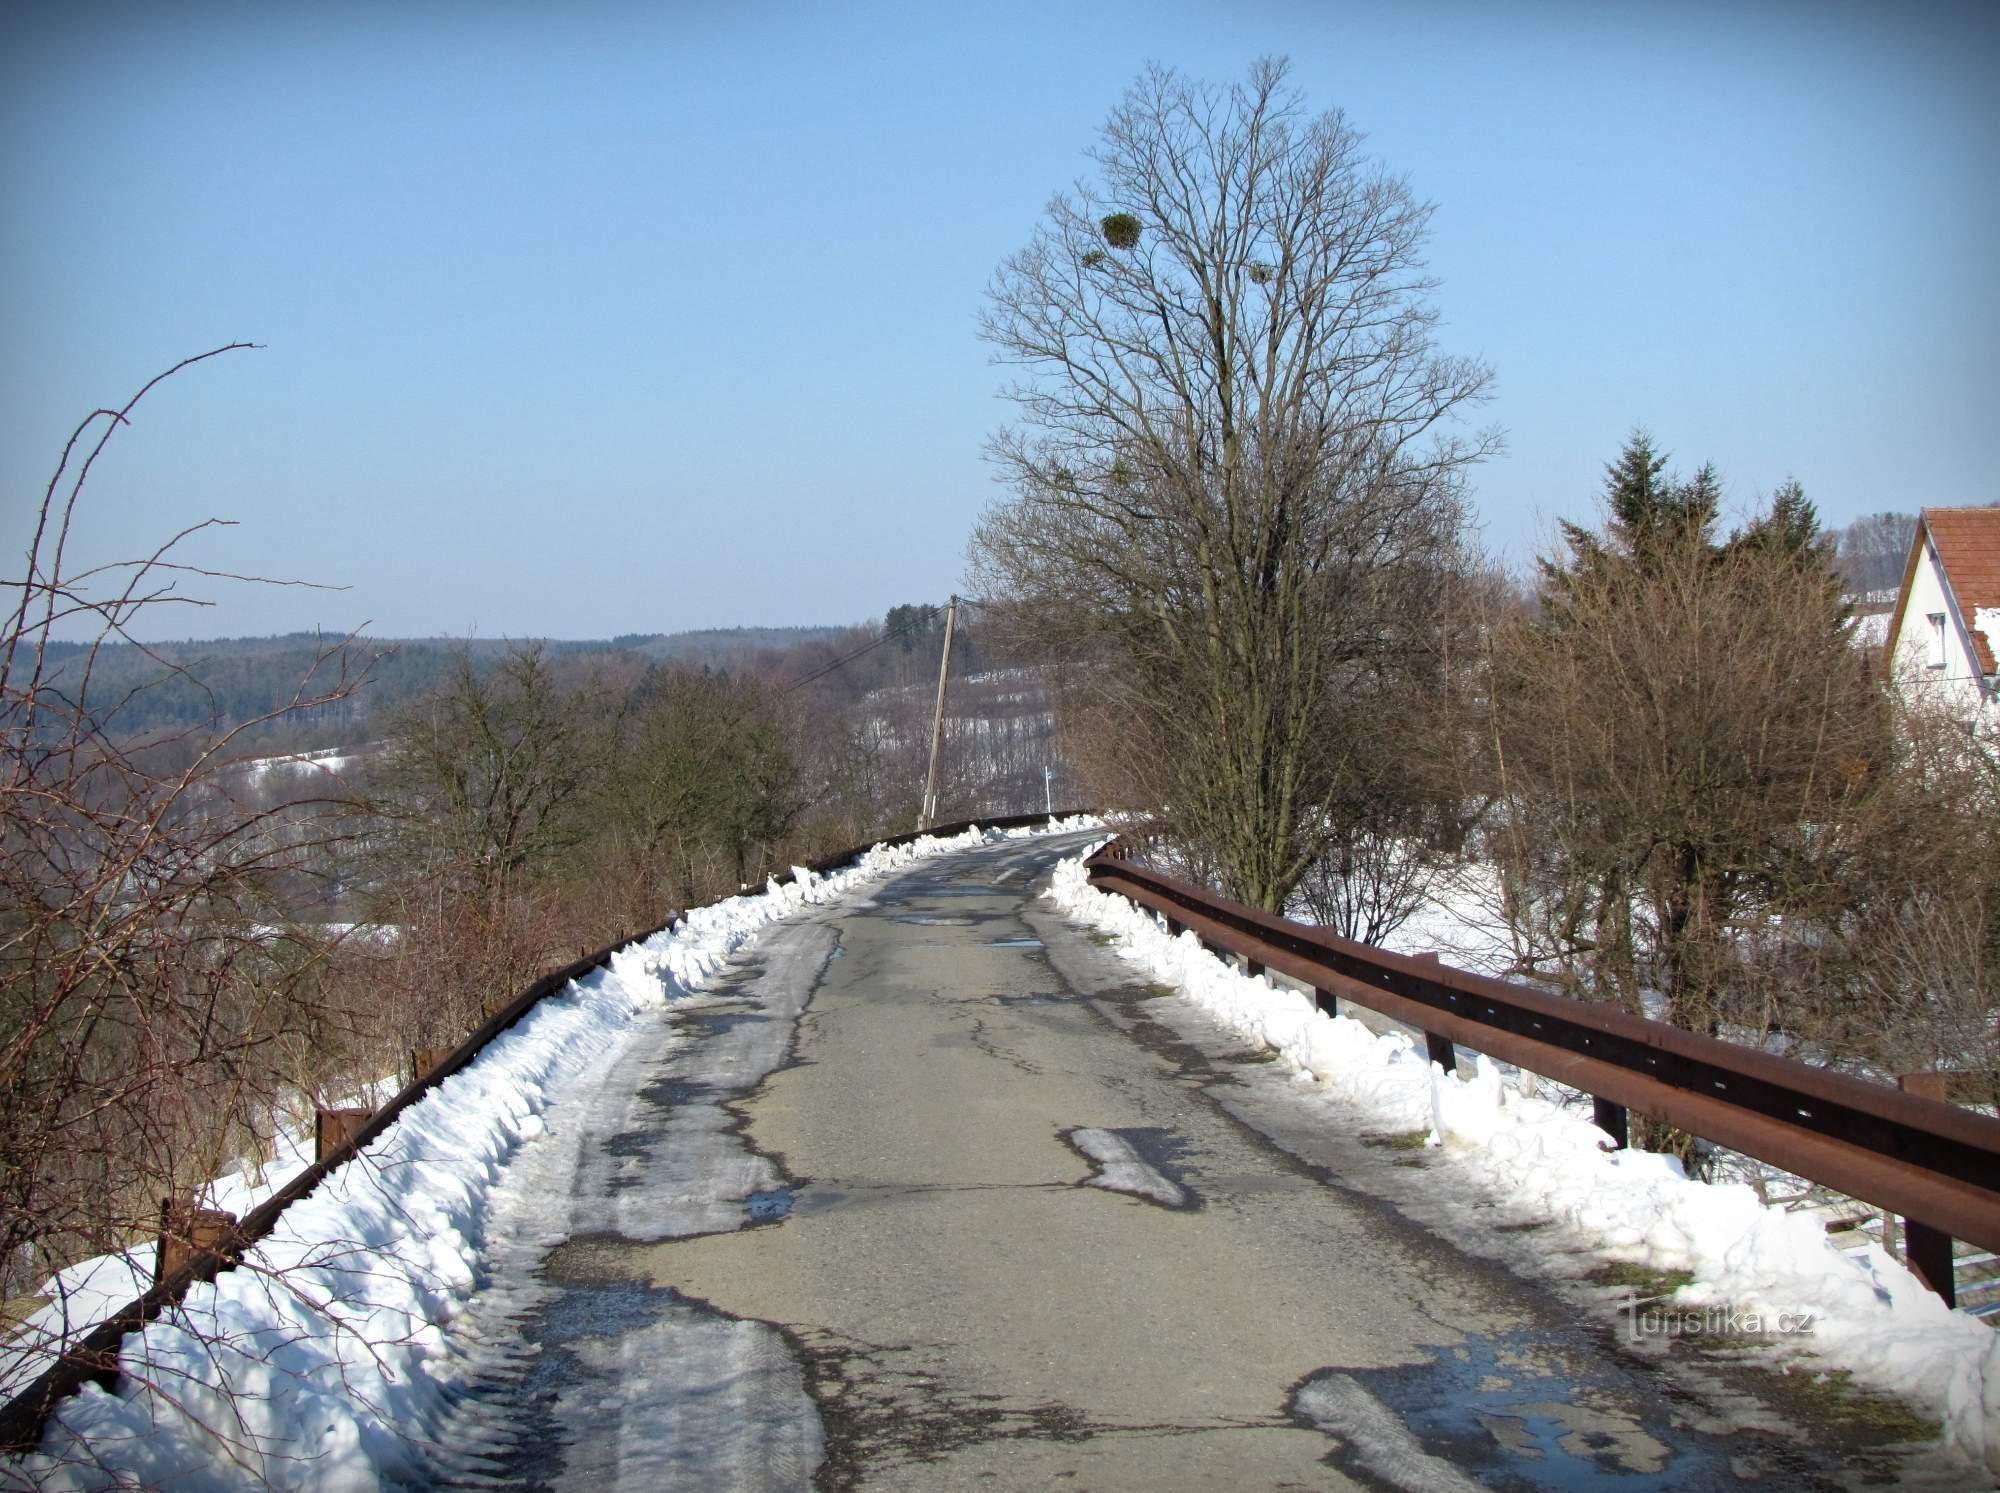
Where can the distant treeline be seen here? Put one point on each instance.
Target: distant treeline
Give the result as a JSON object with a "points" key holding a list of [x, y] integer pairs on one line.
{"points": [[173, 687]]}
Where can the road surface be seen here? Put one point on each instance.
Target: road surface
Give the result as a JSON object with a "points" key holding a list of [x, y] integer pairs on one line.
{"points": [[931, 1192]]}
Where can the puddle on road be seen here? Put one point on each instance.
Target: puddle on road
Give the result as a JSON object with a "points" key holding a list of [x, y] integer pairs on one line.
{"points": [[1515, 1413], [926, 920], [1016, 943], [771, 1205]]}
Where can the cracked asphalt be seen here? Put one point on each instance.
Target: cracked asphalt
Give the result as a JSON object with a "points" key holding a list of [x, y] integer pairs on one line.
{"points": [[959, 1202]]}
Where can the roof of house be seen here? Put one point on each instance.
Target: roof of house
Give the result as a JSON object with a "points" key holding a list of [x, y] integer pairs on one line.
{"points": [[1968, 548]]}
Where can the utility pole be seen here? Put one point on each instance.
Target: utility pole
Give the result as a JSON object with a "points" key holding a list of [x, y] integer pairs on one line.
{"points": [[928, 815]]}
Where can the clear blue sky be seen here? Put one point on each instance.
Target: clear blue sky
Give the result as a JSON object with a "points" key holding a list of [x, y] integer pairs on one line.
{"points": [[603, 318]]}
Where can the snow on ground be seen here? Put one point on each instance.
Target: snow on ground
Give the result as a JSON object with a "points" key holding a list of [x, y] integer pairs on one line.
{"points": [[1870, 1315], [1119, 1168], [1460, 923], [330, 760], [1341, 1407], [90, 1291], [1986, 621], [1869, 629], [306, 1365]]}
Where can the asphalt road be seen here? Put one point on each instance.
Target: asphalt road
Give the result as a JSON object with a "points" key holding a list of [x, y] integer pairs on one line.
{"points": [[932, 1193]]}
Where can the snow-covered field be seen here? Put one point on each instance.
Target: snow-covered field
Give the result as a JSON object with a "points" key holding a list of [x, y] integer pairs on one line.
{"points": [[330, 760], [305, 1367], [1869, 1315]]}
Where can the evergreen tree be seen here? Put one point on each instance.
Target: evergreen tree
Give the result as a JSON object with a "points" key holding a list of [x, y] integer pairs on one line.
{"points": [[1645, 506], [913, 623], [1636, 486], [1792, 525]]}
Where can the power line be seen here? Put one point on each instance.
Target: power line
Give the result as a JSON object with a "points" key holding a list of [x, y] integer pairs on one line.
{"points": [[848, 658]]}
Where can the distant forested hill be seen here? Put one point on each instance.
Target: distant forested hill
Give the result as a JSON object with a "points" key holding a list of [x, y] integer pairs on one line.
{"points": [[137, 692]]}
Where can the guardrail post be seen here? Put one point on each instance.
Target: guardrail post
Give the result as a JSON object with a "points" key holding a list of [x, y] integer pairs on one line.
{"points": [[1251, 967], [1325, 1001], [1927, 1251], [1441, 1051], [188, 1233], [332, 1128], [1612, 1120], [423, 1059]]}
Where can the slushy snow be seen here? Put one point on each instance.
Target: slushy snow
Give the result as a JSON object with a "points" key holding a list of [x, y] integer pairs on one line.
{"points": [[1871, 1316], [1119, 1168]]}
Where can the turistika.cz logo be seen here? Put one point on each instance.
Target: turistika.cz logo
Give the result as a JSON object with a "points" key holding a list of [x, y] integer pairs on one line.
{"points": [[1654, 1318]]}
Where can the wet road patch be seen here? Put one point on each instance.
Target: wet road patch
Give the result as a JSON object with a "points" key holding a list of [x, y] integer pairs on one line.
{"points": [[1513, 1413], [771, 1205], [704, 1399], [713, 1023]]}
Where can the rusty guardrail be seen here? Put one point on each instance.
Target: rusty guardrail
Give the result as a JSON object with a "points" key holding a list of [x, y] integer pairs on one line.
{"points": [[93, 1358], [1936, 1165]]}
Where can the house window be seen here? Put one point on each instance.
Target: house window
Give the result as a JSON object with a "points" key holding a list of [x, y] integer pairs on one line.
{"points": [[1937, 640]]}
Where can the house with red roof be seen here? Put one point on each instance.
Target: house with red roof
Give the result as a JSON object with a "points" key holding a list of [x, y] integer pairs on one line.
{"points": [[1945, 632]]}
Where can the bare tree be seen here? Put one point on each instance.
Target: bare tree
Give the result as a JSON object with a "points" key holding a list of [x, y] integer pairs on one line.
{"points": [[1873, 550], [1909, 976], [710, 781], [481, 778], [478, 799], [1233, 477]]}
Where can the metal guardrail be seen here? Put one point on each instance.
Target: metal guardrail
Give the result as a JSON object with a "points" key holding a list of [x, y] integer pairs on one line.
{"points": [[1936, 1165], [93, 1358]]}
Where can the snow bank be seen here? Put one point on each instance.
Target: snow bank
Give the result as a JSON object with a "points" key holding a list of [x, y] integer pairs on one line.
{"points": [[91, 1291], [305, 1366], [1870, 1315]]}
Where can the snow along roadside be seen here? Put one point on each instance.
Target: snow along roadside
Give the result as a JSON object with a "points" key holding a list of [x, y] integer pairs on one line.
{"points": [[305, 1366], [1870, 1315], [91, 1291]]}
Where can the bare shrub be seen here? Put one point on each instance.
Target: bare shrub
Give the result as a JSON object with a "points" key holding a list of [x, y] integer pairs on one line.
{"points": [[147, 978], [1687, 755]]}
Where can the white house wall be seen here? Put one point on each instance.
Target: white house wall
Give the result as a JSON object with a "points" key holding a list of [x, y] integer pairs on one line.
{"points": [[1956, 686]]}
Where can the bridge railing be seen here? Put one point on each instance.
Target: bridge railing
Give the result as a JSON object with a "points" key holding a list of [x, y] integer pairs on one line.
{"points": [[93, 1358], [1936, 1165]]}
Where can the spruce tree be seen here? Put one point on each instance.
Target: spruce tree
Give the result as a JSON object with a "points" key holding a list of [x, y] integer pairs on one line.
{"points": [[1636, 486]]}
